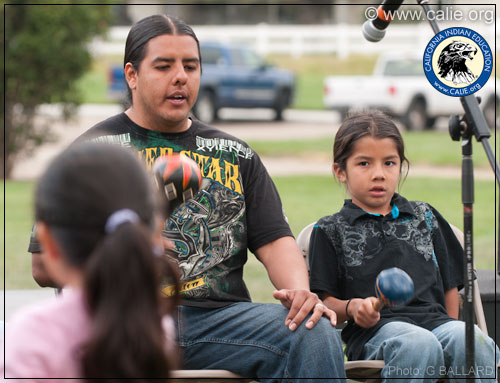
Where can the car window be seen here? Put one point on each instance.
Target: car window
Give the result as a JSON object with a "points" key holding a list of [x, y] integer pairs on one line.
{"points": [[251, 59], [211, 56], [245, 58], [403, 68]]}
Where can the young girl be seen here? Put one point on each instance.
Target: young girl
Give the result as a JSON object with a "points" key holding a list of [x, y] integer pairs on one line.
{"points": [[96, 212], [378, 229]]}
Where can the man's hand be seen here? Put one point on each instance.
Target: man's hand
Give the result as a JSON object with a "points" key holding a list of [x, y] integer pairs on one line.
{"points": [[288, 273], [301, 303]]}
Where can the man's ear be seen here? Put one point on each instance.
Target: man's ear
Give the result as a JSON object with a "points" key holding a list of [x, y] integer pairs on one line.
{"points": [[339, 173], [130, 75], [49, 245]]}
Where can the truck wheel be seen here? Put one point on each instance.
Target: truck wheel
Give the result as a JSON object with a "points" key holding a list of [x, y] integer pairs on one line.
{"points": [[205, 108], [416, 117], [489, 112], [281, 103]]}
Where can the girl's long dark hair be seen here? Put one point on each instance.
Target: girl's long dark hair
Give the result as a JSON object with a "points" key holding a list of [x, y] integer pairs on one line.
{"points": [[75, 197]]}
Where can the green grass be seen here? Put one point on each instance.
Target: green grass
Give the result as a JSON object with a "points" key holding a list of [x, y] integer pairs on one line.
{"points": [[308, 198], [309, 92], [325, 64], [18, 222], [93, 85], [432, 148], [310, 71], [305, 199], [437, 148]]}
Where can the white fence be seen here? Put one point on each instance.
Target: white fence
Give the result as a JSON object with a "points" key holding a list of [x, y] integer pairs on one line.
{"points": [[297, 40]]}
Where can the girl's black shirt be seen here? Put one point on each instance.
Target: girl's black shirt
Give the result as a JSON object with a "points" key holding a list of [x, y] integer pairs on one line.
{"points": [[350, 248]]}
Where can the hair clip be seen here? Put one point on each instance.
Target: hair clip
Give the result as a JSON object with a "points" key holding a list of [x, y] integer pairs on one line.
{"points": [[120, 217]]}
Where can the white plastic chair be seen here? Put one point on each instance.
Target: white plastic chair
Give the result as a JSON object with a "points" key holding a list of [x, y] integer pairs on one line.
{"points": [[205, 376], [360, 370]]}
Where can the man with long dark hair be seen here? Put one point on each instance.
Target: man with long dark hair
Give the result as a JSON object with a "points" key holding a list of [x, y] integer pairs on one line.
{"points": [[238, 209]]}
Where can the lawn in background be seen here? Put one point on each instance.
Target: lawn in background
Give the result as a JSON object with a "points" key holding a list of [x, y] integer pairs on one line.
{"points": [[311, 70], [305, 199], [18, 223], [308, 198], [434, 148], [93, 85]]}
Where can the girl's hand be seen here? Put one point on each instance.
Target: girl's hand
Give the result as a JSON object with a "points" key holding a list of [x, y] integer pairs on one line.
{"points": [[363, 312]]}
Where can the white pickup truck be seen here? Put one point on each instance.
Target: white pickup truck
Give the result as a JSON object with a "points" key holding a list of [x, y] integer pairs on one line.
{"points": [[398, 86]]}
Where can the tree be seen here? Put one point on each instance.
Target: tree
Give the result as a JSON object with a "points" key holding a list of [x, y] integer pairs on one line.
{"points": [[46, 50]]}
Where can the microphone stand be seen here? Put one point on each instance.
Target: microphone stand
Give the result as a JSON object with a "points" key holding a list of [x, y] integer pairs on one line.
{"points": [[472, 123]]}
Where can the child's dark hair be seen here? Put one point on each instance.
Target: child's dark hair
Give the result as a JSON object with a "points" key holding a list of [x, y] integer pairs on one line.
{"points": [[148, 28], [81, 189], [367, 123]]}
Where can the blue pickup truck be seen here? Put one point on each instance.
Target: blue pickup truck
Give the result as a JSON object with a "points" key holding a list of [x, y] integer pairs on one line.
{"points": [[233, 76], [236, 77]]}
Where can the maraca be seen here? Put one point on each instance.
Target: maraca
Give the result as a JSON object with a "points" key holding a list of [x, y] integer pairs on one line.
{"points": [[178, 176], [393, 286]]}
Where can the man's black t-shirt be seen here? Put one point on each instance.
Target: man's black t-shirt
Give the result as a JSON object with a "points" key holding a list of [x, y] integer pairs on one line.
{"points": [[348, 250], [238, 207]]}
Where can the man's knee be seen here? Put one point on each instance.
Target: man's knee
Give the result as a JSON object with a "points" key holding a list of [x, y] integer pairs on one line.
{"points": [[322, 335]]}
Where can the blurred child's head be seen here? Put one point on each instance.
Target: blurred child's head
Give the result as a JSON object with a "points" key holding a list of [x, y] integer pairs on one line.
{"points": [[368, 156], [82, 188], [97, 215]]}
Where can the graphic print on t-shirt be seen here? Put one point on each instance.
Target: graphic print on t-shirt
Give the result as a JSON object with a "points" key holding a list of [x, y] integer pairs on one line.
{"points": [[213, 232], [206, 236], [364, 241], [210, 228]]}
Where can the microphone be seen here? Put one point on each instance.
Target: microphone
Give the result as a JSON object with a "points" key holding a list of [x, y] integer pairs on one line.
{"points": [[374, 30]]}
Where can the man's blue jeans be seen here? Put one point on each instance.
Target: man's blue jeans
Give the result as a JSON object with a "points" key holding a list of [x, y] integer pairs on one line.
{"points": [[251, 339], [412, 353]]}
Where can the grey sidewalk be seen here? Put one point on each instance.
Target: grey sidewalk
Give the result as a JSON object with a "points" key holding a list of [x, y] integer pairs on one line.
{"points": [[247, 125], [250, 125], [16, 299]]}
